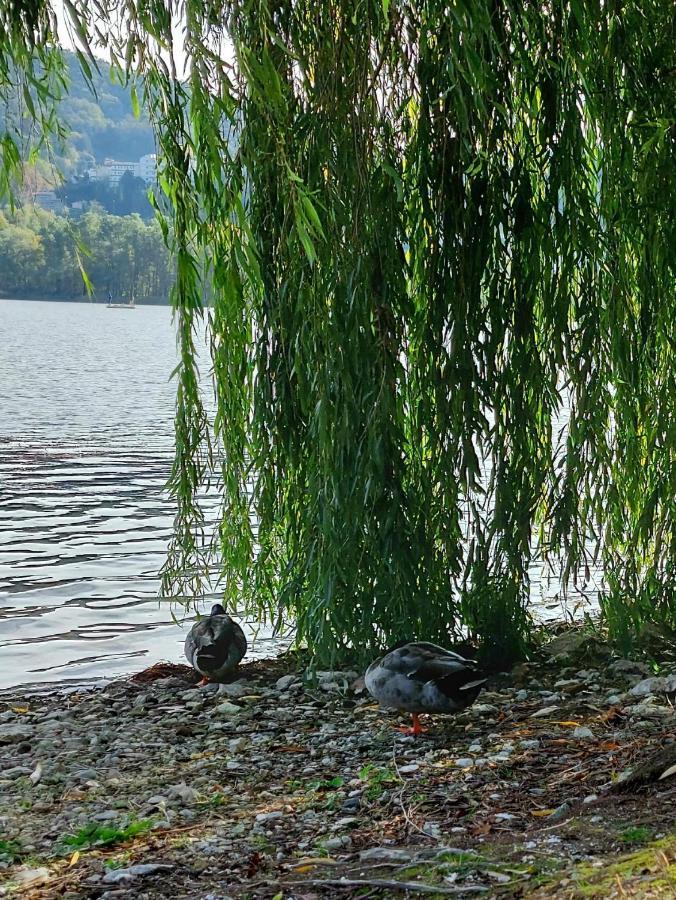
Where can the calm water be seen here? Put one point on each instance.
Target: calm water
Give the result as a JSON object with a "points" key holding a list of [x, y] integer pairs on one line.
{"points": [[85, 449]]}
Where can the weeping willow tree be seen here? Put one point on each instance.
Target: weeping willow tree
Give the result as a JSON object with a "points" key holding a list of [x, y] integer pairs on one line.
{"points": [[426, 228]]}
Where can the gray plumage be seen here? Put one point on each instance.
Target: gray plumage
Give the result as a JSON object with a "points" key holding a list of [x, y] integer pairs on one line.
{"points": [[422, 678], [215, 645]]}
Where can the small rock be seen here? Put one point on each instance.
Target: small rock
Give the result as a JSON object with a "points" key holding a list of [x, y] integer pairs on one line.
{"points": [[347, 822], [106, 816], [560, 812], [504, 817], [226, 709], [483, 709], [432, 829], [630, 666], [529, 745], [520, 696], [235, 689], [654, 685], [545, 711], [337, 843], [11, 733], [264, 818], [464, 762], [408, 770], [582, 733], [590, 798], [183, 793], [120, 876], [385, 854], [569, 686], [32, 876], [285, 682], [17, 772]]}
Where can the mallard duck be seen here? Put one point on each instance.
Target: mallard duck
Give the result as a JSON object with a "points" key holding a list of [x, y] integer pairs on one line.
{"points": [[215, 645], [420, 677]]}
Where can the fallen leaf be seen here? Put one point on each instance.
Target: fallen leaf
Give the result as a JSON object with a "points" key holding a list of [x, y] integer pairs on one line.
{"points": [[670, 771], [541, 812], [310, 862], [570, 723], [608, 745], [74, 858], [290, 749], [19, 709]]}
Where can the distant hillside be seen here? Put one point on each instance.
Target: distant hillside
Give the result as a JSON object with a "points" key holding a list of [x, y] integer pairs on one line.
{"points": [[101, 124]]}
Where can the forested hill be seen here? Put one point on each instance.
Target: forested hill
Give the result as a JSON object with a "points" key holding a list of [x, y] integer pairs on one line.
{"points": [[102, 124]]}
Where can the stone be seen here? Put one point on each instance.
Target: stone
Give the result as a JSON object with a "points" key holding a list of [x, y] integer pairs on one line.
{"points": [[285, 682], [385, 854], [630, 666], [483, 709], [346, 822], [264, 818], [28, 876], [409, 769], [11, 733], [17, 772], [654, 685], [106, 816], [590, 798], [582, 733], [432, 829], [569, 686], [235, 689], [529, 744], [121, 876], [337, 843], [521, 695], [545, 711], [183, 793], [226, 709], [464, 762]]}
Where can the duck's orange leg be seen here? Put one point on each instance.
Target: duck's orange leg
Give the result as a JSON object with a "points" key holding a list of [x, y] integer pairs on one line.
{"points": [[416, 728], [204, 681]]}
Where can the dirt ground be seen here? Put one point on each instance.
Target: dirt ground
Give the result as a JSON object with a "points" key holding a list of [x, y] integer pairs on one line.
{"points": [[558, 782]]}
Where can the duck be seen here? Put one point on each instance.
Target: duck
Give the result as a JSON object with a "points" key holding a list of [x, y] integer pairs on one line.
{"points": [[420, 677], [215, 645]]}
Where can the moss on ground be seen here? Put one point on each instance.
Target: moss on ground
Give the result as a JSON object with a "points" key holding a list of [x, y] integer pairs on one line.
{"points": [[645, 873]]}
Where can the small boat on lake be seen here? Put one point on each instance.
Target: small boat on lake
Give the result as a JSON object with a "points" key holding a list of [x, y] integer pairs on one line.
{"points": [[110, 305]]}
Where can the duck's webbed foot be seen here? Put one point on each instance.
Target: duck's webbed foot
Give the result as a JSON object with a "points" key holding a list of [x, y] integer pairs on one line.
{"points": [[416, 728], [204, 681]]}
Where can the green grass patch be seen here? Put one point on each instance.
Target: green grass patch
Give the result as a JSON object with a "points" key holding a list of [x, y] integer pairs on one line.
{"points": [[94, 835], [635, 834], [377, 780], [10, 851]]}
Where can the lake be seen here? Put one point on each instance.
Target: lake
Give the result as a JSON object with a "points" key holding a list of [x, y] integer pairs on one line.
{"points": [[86, 428]]}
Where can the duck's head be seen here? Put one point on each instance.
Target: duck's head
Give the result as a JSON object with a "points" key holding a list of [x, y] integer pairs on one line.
{"points": [[217, 610]]}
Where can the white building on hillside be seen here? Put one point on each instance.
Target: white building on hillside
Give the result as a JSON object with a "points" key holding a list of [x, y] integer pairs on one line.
{"points": [[112, 170], [147, 168]]}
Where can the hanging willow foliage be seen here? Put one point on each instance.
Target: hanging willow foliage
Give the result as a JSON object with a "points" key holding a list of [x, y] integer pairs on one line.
{"points": [[425, 227]]}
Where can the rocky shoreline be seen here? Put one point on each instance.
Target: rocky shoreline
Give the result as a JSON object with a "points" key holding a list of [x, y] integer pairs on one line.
{"points": [[280, 786]]}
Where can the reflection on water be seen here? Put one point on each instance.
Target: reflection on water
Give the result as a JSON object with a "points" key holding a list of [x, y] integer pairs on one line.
{"points": [[86, 422], [85, 449]]}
